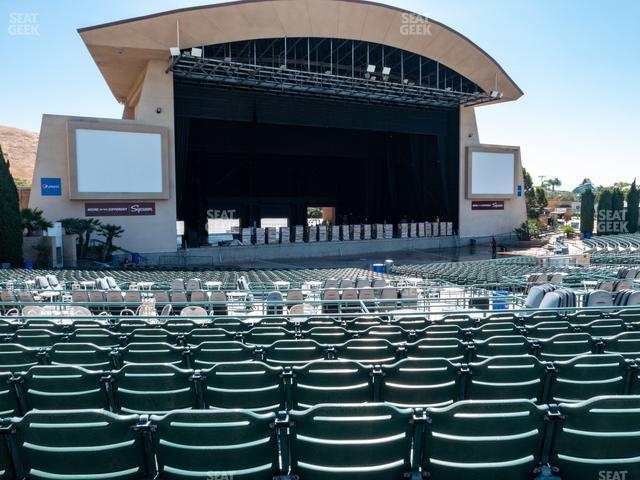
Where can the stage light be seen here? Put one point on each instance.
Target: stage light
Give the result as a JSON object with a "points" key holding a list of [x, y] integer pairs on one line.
{"points": [[495, 94], [386, 71], [371, 69], [283, 67], [175, 51], [328, 72], [227, 59], [196, 52]]}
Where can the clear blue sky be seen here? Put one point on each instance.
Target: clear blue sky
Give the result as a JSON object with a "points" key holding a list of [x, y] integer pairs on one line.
{"points": [[578, 62]]}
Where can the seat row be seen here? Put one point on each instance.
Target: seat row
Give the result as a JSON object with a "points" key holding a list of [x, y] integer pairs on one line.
{"points": [[159, 388], [265, 335], [512, 440], [15, 357]]}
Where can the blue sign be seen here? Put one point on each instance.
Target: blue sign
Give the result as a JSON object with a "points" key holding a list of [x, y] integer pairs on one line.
{"points": [[50, 187], [519, 190]]}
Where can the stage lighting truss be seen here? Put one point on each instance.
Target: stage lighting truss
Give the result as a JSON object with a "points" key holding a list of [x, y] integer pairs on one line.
{"points": [[284, 80]]}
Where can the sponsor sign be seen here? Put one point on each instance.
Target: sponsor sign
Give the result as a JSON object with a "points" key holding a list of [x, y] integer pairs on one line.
{"points": [[487, 205], [112, 209], [50, 187]]}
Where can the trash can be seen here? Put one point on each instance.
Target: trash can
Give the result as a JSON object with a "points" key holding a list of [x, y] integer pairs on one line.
{"points": [[378, 267], [388, 266], [499, 302]]}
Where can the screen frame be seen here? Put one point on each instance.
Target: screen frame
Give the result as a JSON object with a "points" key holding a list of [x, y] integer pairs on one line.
{"points": [[74, 194], [492, 149]]}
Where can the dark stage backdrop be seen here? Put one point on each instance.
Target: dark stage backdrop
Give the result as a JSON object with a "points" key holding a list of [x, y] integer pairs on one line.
{"points": [[267, 155]]}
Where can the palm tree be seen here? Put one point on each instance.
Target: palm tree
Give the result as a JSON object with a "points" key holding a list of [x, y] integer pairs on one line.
{"points": [[86, 226], [34, 221], [109, 232], [553, 183]]}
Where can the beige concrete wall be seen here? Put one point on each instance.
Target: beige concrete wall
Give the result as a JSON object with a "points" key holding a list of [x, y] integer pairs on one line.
{"points": [[142, 234], [484, 223]]}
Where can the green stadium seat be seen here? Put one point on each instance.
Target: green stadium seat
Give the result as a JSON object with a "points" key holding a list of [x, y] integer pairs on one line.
{"points": [[6, 467], [501, 345], [626, 344], [81, 354], [443, 330], [58, 387], [96, 336], [566, 345], [452, 349], [544, 330], [584, 377], [16, 358], [371, 351], [208, 354], [604, 328], [327, 335], [201, 335], [483, 440], [294, 352], [154, 389], [361, 324], [492, 329], [152, 335], [180, 326], [507, 378], [8, 399], [80, 444], [598, 435], [267, 335], [216, 444], [37, 338], [251, 386], [420, 383], [151, 353], [368, 441], [393, 333], [331, 381], [229, 324]]}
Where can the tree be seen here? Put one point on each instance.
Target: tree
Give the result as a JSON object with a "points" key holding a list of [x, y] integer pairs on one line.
{"points": [[605, 207], [633, 203], [33, 221], [109, 232], [10, 221], [587, 210], [553, 183], [541, 199], [87, 226]]}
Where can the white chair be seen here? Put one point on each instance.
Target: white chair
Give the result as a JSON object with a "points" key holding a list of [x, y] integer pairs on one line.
{"points": [[193, 311]]}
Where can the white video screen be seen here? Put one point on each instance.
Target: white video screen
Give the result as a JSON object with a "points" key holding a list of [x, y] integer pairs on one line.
{"points": [[493, 173], [110, 161]]}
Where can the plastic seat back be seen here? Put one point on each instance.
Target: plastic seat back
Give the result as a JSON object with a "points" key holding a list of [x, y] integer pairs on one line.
{"points": [[331, 381], [588, 376], [151, 353], [501, 345], [598, 436], [63, 387], [267, 335], [566, 345], [372, 351], [15, 358], [207, 354], [81, 444], [420, 383], [507, 377], [251, 386], [8, 402], [452, 349], [493, 439], [153, 389], [237, 443], [293, 352], [84, 355], [327, 335], [201, 335], [351, 442]]}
